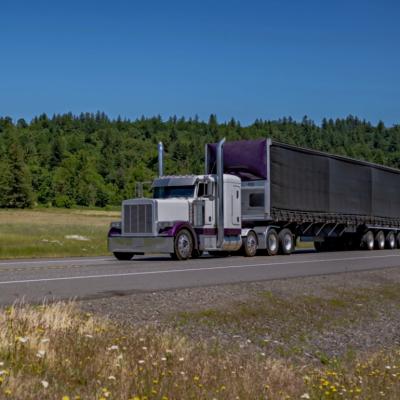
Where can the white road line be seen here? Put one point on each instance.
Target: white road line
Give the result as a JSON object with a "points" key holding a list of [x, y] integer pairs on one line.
{"points": [[172, 271], [67, 260]]}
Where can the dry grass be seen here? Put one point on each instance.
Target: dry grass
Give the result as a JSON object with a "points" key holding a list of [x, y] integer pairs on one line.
{"points": [[56, 352], [80, 356], [44, 232]]}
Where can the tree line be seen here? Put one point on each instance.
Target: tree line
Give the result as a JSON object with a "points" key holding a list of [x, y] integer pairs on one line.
{"points": [[91, 160]]}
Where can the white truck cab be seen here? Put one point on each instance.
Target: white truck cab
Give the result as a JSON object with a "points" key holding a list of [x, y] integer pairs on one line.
{"points": [[186, 216]]}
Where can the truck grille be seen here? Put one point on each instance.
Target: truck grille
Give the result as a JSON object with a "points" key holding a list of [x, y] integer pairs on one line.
{"points": [[138, 218]]}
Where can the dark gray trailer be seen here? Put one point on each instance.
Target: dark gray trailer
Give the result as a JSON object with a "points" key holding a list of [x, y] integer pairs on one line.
{"points": [[289, 191]]}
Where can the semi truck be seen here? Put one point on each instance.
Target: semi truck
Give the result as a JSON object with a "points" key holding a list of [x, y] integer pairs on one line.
{"points": [[259, 197]]}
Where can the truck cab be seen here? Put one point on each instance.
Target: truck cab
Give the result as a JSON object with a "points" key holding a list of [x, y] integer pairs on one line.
{"points": [[185, 217]]}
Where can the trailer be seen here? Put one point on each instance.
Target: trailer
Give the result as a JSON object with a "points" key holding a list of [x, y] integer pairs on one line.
{"points": [[258, 197]]}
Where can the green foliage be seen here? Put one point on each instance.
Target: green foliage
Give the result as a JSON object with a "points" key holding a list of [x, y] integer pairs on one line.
{"points": [[90, 160], [15, 180]]}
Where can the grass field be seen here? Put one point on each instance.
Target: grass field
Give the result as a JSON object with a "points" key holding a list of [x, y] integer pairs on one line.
{"points": [[54, 232], [58, 352], [58, 233]]}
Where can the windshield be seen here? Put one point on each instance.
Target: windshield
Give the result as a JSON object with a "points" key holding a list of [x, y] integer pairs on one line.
{"points": [[167, 192]]}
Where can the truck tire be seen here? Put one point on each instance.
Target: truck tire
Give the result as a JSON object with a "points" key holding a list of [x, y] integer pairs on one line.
{"points": [[123, 256], [183, 245], [250, 244], [286, 241], [368, 240], [272, 242], [398, 240], [390, 241], [379, 240]]}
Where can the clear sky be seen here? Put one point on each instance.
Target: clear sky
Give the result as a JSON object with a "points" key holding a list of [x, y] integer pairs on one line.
{"points": [[242, 59]]}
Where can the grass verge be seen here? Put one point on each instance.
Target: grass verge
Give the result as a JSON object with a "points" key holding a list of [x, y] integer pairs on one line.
{"points": [[54, 232], [57, 352]]}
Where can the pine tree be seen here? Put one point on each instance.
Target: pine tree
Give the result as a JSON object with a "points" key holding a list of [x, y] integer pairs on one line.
{"points": [[16, 182]]}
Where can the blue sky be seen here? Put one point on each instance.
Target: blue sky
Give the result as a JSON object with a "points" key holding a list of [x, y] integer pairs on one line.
{"points": [[241, 59]]}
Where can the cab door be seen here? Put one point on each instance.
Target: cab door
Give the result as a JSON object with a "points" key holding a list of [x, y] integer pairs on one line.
{"points": [[236, 205]]}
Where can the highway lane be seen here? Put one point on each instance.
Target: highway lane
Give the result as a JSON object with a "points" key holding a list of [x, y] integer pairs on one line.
{"points": [[83, 278]]}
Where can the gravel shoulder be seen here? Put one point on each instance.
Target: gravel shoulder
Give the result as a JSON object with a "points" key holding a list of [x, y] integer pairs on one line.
{"points": [[313, 318]]}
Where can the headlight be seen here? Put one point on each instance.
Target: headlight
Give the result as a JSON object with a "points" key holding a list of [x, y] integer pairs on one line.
{"points": [[163, 225]]}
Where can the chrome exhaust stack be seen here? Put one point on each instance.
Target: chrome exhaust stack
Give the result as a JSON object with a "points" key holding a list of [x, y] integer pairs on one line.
{"points": [[220, 193], [160, 159]]}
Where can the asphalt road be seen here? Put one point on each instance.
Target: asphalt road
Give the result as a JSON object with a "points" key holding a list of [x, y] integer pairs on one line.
{"points": [[84, 278]]}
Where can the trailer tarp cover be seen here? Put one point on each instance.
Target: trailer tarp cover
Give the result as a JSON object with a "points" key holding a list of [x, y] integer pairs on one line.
{"points": [[303, 180], [310, 181], [243, 158]]}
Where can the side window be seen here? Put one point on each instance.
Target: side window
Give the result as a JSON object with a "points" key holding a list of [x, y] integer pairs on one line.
{"points": [[202, 190], [256, 200]]}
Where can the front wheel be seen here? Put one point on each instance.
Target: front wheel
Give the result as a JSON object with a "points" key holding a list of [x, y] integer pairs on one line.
{"points": [[183, 245], [123, 256]]}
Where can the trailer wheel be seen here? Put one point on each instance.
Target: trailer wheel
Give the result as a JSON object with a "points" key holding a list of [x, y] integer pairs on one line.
{"points": [[123, 256], [183, 245], [367, 241], [286, 241], [390, 241], [380, 240], [398, 240], [250, 244], [272, 242]]}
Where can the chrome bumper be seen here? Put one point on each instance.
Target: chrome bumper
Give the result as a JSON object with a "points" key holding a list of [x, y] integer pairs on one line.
{"points": [[131, 244]]}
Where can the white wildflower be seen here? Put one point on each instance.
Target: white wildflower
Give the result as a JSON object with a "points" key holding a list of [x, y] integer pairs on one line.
{"points": [[77, 237], [45, 384], [40, 354], [22, 339], [141, 361], [305, 396], [89, 336], [112, 378], [45, 340], [181, 359], [113, 347]]}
